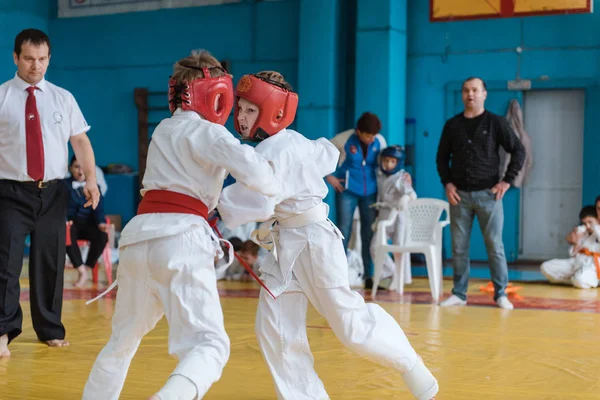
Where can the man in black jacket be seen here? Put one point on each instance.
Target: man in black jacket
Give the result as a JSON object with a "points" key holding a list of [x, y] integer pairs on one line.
{"points": [[469, 167]]}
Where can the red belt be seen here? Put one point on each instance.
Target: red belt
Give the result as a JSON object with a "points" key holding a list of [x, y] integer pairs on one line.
{"points": [[165, 201]]}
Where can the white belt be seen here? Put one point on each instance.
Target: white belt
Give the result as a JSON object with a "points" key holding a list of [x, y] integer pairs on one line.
{"points": [[264, 235]]}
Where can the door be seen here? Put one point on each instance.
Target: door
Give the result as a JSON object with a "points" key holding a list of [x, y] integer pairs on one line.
{"points": [[552, 195]]}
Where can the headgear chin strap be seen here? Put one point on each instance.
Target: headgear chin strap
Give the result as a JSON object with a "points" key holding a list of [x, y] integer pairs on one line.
{"points": [[394, 151], [201, 95], [276, 104]]}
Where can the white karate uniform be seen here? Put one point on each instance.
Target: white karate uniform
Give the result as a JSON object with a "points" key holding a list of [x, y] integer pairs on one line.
{"points": [[579, 270], [308, 263], [167, 259], [393, 192]]}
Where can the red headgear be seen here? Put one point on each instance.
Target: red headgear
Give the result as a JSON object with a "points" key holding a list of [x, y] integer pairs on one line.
{"points": [[277, 105], [200, 95]]}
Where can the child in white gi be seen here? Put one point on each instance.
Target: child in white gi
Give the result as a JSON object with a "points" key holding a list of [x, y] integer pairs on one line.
{"points": [[582, 270], [307, 260], [394, 192], [168, 249]]}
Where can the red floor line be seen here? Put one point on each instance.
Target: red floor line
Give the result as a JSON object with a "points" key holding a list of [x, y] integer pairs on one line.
{"points": [[420, 297]]}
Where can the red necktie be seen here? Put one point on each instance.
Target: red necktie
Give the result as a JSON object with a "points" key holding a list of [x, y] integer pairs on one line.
{"points": [[33, 134]]}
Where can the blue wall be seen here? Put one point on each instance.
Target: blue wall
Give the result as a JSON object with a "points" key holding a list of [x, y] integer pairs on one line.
{"points": [[16, 15], [440, 55], [102, 59]]}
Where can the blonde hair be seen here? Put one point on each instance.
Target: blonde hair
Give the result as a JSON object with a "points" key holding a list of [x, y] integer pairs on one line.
{"points": [[275, 77], [189, 68]]}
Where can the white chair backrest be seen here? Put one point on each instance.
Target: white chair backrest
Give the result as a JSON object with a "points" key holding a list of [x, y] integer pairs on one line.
{"points": [[422, 218]]}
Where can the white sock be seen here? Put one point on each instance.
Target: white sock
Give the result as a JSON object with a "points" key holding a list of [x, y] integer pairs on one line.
{"points": [[178, 387], [421, 383]]}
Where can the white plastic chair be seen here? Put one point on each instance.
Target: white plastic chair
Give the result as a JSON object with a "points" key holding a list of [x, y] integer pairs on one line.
{"points": [[423, 235]]}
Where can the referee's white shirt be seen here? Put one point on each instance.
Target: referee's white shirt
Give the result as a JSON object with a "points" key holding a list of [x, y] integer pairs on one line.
{"points": [[60, 118]]}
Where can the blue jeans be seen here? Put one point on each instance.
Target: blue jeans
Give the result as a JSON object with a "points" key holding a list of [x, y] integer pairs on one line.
{"points": [[346, 204], [490, 215]]}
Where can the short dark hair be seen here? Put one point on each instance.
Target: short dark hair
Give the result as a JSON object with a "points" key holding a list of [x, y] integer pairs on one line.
{"points": [[368, 123], [236, 242], [588, 211], [597, 200], [73, 159], [472, 78], [33, 36]]}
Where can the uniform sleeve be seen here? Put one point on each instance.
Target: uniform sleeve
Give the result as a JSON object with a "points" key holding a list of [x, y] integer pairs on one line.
{"points": [[77, 123], [241, 161], [325, 156], [596, 231], [238, 205]]}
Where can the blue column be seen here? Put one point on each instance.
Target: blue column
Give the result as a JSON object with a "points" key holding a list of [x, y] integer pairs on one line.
{"points": [[380, 85], [318, 73], [318, 53]]}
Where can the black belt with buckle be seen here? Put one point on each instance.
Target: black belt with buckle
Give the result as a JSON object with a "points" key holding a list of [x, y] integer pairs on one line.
{"points": [[45, 184], [34, 184]]}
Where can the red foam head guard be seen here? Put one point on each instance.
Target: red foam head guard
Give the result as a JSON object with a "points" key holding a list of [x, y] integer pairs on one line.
{"points": [[277, 106], [200, 96]]}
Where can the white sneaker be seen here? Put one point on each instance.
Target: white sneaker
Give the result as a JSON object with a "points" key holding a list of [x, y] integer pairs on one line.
{"points": [[453, 301], [504, 302]]}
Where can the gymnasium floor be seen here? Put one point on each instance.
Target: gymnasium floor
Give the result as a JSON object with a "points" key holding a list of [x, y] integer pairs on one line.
{"points": [[547, 349]]}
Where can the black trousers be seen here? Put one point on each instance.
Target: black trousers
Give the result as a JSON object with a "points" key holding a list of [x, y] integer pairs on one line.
{"points": [[26, 209], [86, 230]]}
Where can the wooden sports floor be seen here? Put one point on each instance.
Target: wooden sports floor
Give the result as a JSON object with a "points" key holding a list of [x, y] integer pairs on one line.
{"points": [[546, 349]]}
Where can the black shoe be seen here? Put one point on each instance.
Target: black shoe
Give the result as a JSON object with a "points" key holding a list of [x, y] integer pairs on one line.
{"points": [[369, 285]]}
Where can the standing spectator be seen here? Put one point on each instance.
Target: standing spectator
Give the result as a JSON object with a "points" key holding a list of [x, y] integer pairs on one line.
{"points": [[356, 183], [468, 165]]}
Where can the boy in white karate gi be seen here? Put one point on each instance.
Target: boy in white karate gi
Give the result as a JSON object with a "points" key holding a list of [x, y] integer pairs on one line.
{"points": [[307, 261], [168, 249], [582, 270], [394, 192]]}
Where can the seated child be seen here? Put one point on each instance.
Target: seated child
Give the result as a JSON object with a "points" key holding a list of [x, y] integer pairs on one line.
{"points": [[394, 191], [582, 270], [250, 252], [86, 224]]}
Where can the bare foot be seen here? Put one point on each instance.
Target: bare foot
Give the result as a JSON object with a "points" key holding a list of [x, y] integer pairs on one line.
{"points": [[4, 352], [154, 397], [57, 343], [83, 276]]}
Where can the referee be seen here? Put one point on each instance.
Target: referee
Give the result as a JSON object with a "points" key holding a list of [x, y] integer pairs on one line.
{"points": [[37, 119]]}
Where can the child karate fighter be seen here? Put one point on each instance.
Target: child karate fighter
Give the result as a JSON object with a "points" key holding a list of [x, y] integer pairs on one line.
{"points": [[168, 249], [582, 270], [394, 192], [307, 260]]}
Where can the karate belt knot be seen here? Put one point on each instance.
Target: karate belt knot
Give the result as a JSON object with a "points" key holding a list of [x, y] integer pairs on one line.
{"points": [[267, 233], [595, 256]]}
